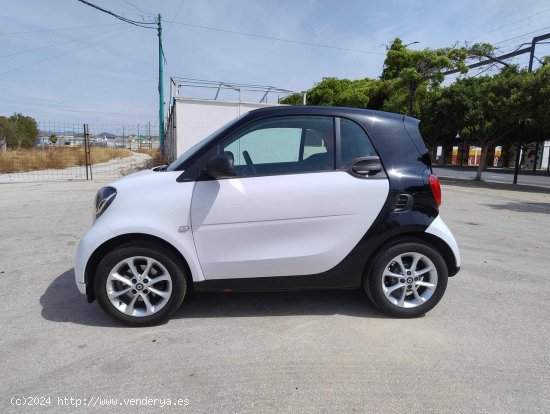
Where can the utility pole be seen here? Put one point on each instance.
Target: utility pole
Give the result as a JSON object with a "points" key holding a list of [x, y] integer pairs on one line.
{"points": [[144, 25], [161, 87]]}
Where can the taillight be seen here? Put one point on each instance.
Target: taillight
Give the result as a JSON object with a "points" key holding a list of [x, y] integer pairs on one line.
{"points": [[436, 188]]}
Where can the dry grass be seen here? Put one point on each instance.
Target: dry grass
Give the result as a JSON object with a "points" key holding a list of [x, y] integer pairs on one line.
{"points": [[156, 158], [43, 159], [149, 151]]}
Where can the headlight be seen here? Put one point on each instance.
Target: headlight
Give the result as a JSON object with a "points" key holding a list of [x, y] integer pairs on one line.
{"points": [[103, 199]]}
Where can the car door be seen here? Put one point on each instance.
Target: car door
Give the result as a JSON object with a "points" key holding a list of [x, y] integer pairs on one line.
{"points": [[288, 211]]}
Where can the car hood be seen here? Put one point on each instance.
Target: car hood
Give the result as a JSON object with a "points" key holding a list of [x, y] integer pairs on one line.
{"points": [[146, 180]]}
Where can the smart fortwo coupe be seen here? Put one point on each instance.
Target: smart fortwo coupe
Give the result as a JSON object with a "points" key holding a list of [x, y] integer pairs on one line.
{"points": [[280, 198]]}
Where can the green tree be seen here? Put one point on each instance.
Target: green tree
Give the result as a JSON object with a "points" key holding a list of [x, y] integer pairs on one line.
{"points": [[442, 111], [53, 138], [538, 93], [496, 108], [7, 134], [26, 131], [294, 99], [361, 93], [411, 69]]}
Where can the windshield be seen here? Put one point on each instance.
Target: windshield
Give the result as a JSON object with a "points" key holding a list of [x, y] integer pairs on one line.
{"points": [[199, 145]]}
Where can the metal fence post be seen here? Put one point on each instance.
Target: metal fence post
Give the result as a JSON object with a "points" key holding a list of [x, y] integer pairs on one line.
{"points": [[87, 152]]}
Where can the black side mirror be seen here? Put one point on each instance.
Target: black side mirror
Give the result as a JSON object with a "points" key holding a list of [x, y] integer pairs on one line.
{"points": [[220, 166]]}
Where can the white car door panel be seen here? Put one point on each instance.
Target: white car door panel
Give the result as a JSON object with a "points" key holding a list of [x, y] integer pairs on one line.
{"points": [[281, 225]]}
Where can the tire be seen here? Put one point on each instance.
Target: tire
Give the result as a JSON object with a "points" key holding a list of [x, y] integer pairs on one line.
{"points": [[398, 289], [144, 294]]}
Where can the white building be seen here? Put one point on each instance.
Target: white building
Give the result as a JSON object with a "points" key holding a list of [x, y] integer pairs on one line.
{"points": [[198, 108]]}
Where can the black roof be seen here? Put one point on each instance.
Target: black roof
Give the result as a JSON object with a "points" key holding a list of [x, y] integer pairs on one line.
{"points": [[327, 110]]}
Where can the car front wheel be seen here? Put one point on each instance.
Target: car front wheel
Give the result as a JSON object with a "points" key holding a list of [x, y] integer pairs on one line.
{"points": [[139, 285], [407, 279]]}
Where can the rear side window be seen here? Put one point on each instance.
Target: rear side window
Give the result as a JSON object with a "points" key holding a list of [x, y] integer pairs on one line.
{"points": [[354, 142]]}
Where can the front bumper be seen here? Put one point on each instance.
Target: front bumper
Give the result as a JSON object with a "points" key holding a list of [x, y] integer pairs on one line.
{"points": [[94, 237]]}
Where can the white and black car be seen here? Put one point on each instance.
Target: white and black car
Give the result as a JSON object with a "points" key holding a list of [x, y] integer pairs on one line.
{"points": [[280, 198]]}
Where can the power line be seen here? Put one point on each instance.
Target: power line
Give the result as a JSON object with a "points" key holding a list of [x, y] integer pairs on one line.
{"points": [[70, 108], [175, 17], [514, 22], [116, 16], [158, 28], [59, 29], [525, 34], [60, 43], [135, 7], [488, 68], [499, 59], [492, 60], [217, 29], [64, 53]]}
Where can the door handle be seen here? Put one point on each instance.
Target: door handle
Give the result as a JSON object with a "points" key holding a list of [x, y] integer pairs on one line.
{"points": [[366, 167], [366, 170]]}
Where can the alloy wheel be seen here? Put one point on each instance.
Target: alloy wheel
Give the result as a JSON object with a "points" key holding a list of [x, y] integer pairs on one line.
{"points": [[409, 280], [139, 286]]}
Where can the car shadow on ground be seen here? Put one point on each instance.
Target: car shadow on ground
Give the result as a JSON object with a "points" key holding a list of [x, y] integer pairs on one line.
{"points": [[523, 207], [288, 303], [62, 302]]}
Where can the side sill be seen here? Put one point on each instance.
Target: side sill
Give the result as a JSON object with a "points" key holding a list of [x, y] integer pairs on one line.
{"points": [[277, 283]]}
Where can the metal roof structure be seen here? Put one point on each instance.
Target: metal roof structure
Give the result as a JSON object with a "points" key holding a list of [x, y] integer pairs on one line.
{"points": [[220, 90]]}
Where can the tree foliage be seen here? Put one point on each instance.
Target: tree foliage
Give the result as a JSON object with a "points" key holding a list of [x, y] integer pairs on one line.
{"points": [[7, 134], [442, 112], [511, 106], [412, 69], [362, 93], [538, 93], [25, 131], [489, 110]]}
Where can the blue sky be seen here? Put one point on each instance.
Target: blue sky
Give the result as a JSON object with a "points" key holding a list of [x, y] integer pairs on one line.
{"points": [[102, 71]]}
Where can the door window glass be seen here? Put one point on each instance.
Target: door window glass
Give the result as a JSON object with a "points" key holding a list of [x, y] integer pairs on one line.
{"points": [[283, 145]]}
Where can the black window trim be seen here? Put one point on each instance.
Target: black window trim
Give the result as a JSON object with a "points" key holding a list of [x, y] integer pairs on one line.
{"points": [[207, 153], [338, 149]]}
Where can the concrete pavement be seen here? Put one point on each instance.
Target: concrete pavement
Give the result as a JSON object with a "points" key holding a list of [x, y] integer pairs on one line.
{"points": [[484, 348]]}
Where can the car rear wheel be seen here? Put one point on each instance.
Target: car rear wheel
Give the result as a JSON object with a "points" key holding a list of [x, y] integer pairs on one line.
{"points": [[407, 279], [140, 285]]}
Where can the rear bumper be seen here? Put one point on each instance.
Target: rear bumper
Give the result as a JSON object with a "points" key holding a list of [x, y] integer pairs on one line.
{"points": [[81, 287], [439, 229]]}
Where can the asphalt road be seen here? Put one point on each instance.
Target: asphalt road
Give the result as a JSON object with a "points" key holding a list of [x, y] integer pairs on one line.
{"points": [[495, 176], [484, 348]]}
